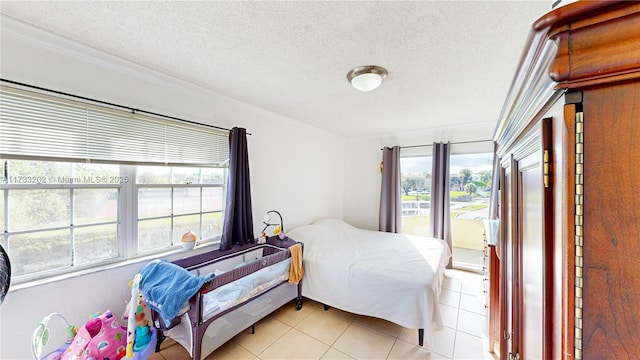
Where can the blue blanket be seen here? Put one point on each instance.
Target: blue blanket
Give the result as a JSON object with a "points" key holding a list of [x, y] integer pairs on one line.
{"points": [[166, 287]]}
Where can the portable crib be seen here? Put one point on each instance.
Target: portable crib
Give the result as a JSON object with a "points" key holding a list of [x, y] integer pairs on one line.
{"points": [[250, 283]]}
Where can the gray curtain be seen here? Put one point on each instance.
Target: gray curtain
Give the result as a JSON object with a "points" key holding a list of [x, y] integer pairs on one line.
{"points": [[238, 220], [495, 184], [440, 225], [491, 230], [390, 219]]}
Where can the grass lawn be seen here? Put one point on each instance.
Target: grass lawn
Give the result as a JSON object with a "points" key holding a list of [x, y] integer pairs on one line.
{"points": [[457, 193], [472, 207], [426, 197]]}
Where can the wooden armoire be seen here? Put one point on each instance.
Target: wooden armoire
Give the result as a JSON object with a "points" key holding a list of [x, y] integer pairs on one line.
{"points": [[565, 280]]}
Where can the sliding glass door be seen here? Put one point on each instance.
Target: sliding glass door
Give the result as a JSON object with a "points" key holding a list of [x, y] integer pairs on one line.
{"points": [[470, 191]]}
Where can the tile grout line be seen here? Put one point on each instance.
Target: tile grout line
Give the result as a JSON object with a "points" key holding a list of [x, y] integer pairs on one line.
{"points": [[339, 336], [249, 351], [275, 318], [301, 320], [455, 336], [330, 345], [470, 334], [342, 333], [291, 328], [395, 337], [377, 329], [457, 322], [390, 350], [276, 340]]}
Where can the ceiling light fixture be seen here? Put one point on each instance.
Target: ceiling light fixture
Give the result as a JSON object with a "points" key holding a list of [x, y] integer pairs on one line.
{"points": [[367, 78]]}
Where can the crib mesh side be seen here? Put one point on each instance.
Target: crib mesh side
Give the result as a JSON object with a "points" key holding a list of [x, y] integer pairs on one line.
{"points": [[245, 270], [214, 331], [227, 326]]}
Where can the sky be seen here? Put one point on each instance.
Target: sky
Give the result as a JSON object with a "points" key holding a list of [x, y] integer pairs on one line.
{"points": [[474, 162]]}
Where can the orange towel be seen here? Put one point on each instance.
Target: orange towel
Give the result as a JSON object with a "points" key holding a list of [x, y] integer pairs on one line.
{"points": [[296, 271]]}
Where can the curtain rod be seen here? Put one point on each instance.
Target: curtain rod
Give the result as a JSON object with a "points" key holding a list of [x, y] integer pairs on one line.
{"points": [[133, 110], [451, 143]]}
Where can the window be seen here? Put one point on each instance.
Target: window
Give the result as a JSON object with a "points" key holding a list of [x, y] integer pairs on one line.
{"points": [[57, 215], [172, 201], [469, 194], [415, 174], [83, 186], [470, 191], [470, 185]]}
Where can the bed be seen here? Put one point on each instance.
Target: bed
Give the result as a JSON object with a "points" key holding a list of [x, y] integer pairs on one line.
{"points": [[231, 293], [395, 277]]}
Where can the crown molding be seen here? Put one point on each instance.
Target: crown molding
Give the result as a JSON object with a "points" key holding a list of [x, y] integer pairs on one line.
{"points": [[16, 29], [19, 30], [428, 132]]}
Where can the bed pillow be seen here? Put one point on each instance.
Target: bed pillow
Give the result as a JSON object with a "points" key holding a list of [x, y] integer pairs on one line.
{"points": [[166, 287]]}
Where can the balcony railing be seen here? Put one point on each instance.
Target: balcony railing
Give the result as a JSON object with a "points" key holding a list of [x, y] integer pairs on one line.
{"points": [[415, 207], [466, 234]]}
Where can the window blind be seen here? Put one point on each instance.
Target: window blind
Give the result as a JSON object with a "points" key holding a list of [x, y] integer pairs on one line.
{"points": [[35, 125]]}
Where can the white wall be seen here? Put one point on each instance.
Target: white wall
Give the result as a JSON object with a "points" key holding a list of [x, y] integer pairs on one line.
{"points": [[303, 172], [295, 168], [362, 164]]}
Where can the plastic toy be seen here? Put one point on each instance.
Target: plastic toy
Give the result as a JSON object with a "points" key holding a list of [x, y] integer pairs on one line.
{"points": [[40, 338], [141, 338]]}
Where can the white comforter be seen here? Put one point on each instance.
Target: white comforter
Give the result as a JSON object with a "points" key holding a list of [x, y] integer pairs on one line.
{"points": [[395, 277]]}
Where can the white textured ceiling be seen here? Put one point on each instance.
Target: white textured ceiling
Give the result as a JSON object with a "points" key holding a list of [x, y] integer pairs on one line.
{"points": [[450, 63]]}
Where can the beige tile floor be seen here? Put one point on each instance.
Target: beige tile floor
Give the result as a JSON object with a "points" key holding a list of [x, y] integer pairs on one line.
{"points": [[313, 333]]}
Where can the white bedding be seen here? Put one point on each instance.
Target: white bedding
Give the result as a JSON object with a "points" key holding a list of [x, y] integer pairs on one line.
{"points": [[395, 277]]}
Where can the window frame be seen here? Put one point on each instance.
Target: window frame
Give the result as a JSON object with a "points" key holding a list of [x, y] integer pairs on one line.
{"points": [[201, 186], [412, 154], [43, 274], [127, 219], [478, 153], [47, 125], [457, 149]]}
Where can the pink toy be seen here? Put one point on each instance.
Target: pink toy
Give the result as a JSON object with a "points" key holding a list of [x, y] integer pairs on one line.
{"points": [[101, 337]]}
